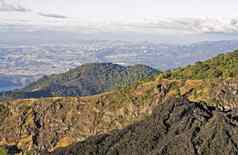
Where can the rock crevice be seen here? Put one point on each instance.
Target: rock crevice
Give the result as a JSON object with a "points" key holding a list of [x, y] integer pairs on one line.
{"points": [[177, 126]]}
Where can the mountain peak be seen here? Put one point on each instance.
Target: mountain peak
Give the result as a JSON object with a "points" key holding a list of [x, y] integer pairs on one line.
{"points": [[85, 80]]}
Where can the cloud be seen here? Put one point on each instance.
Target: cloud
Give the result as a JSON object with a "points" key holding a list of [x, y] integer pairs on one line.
{"points": [[186, 25], [7, 7], [152, 25], [52, 15]]}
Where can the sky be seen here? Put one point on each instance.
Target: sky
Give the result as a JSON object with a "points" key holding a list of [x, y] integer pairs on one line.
{"points": [[110, 9], [163, 17]]}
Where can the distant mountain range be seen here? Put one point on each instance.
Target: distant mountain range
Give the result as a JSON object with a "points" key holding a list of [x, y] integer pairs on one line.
{"points": [[36, 60], [86, 80], [201, 114], [10, 82]]}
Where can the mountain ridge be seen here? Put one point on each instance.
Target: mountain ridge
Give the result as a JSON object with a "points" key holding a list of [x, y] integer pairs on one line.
{"points": [[88, 79], [222, 66], [73, 119], [177, 126]]}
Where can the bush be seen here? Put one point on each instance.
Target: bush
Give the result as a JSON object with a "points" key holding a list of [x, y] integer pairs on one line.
{"points": [[3, 151], [221, 67]]}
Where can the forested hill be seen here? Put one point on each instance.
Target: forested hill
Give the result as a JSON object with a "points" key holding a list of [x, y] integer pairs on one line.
{"points": [[69, 120], [86, 80], [222, 66]]}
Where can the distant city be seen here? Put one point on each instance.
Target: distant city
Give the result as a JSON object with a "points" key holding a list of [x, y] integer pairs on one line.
{"points": [[23, 64]]}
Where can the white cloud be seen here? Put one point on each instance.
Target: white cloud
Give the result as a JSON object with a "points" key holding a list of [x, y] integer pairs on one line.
{"points": [[148, 25], [6, 7], [186, 25], [124, 15]]}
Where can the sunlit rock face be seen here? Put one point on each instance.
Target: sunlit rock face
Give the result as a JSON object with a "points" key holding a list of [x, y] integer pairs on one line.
{"points": [[176, 127]]}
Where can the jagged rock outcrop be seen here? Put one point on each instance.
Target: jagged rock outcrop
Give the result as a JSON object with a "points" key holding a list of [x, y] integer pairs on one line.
{"points": [[176, 127], [49, 123]]}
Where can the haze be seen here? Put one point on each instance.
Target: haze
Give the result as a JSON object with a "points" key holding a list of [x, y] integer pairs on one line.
{"points": [[165, 21]]}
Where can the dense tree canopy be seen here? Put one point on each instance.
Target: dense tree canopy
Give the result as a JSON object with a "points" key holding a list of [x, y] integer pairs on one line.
{"points": [[223, 66]]}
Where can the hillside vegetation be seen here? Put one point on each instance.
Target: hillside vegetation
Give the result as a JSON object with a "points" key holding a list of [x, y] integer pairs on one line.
{"points": [[222, 66], [51, 123], [86, 80], [35, 125], [176, 127]]}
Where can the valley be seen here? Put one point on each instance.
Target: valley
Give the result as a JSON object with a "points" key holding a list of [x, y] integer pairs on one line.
{"points": [[104, 77], [37, 60], [71, 121]]}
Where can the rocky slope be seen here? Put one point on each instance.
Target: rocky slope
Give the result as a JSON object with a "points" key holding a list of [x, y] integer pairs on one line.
{"points": [[175, 127], [36, 125], [46, 124]]}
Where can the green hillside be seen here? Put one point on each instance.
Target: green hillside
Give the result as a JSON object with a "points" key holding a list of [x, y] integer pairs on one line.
{"points": [[51, 123], [86, 80], [222, 66]]}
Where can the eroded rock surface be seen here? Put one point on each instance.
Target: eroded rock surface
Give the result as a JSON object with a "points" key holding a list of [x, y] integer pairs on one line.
{"points": [[176, 127]]}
